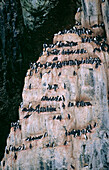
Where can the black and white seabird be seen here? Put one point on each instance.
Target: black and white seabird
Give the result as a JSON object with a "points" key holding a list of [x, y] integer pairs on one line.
{"points": [[63, 105], [54, 117], [95, 124], [30, 146], [40, 75], [64, 86], [7, 151], [55, 58], [47, 145], [107, 135], [68, 116], [3, 163], [30, 86], [74, 73], [78, 132], [59, 74], [63, 97], [46, 134], [60, 99], [27, 116], [23, 148], [60, 117], [85, 136], [72, 167], [65, 143], [15, 156]]}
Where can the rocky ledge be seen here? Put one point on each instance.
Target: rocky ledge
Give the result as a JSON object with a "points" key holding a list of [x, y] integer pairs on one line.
{"points": [[64, 119]]}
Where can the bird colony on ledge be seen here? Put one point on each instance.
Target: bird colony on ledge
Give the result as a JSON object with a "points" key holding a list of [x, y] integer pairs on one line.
{"points": [[63, 119]]}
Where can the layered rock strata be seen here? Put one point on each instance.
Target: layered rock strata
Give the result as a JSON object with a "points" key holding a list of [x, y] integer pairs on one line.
{"points": [[64, 119]]}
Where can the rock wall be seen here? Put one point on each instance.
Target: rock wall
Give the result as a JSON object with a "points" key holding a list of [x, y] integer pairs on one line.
{"points": [[64, 119], [95, 13], [105, 12], [35, 11]]}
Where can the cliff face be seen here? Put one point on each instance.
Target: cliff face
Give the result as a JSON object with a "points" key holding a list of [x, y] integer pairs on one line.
{"points": [[95, 13], [64, 119], [35, 11]]}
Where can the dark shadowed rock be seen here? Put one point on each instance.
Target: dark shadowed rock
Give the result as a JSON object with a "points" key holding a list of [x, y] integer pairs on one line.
{"points": [[36, 11]]}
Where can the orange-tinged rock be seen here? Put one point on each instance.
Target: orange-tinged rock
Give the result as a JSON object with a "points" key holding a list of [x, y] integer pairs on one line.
{"points": [[64, 118]]}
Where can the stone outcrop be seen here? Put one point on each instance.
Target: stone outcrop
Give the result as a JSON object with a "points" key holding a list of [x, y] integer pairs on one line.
{"points": [[95, 13], [35, 11], [105, 12], [64, 119]]}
